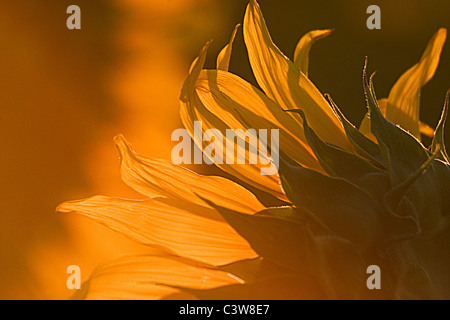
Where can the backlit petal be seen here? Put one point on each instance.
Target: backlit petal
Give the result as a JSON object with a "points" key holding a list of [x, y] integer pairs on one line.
{"points": [[240, 105], [404, 98], [186, 229], [192, 109], [283, 82], [156, 177], [143, 277], [301, 54], [223, 59]]}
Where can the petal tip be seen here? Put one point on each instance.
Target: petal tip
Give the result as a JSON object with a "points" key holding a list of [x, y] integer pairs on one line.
{"points": [[122, 145], [252, 5], [64, 207], [442, 32], [205, 47]]}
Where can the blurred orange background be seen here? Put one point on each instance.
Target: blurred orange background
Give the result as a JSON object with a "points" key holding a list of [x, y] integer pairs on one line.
{"points": [[65, 94]]}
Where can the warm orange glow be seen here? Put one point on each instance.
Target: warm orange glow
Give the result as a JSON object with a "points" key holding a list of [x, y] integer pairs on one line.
{"points": [[65, 95], [64, 105]]}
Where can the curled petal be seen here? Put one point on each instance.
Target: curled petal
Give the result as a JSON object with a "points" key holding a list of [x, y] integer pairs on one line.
{"points": [[188, 230], [301, 54], [404, 98]]}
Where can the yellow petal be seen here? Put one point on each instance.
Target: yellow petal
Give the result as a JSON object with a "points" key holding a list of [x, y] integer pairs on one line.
{"points": [[194, 72], [404, 97], [240, 105], [188, 230], [283, 82], [223, 59], [301, 53], [143, 278], [155, 177], [192, 109]]}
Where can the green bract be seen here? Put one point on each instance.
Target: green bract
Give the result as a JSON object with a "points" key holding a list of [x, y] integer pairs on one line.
{"points": [[386, 205]]}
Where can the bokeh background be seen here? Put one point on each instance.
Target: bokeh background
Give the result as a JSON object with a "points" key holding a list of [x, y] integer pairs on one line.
{"points": [[64, 94]]}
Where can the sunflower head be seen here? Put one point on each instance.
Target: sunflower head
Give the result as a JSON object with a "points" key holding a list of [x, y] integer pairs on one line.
{"points": [[353, 197]]}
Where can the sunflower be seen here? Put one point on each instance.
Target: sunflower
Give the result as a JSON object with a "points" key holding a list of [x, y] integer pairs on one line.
{"points": [[352, 198]]}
